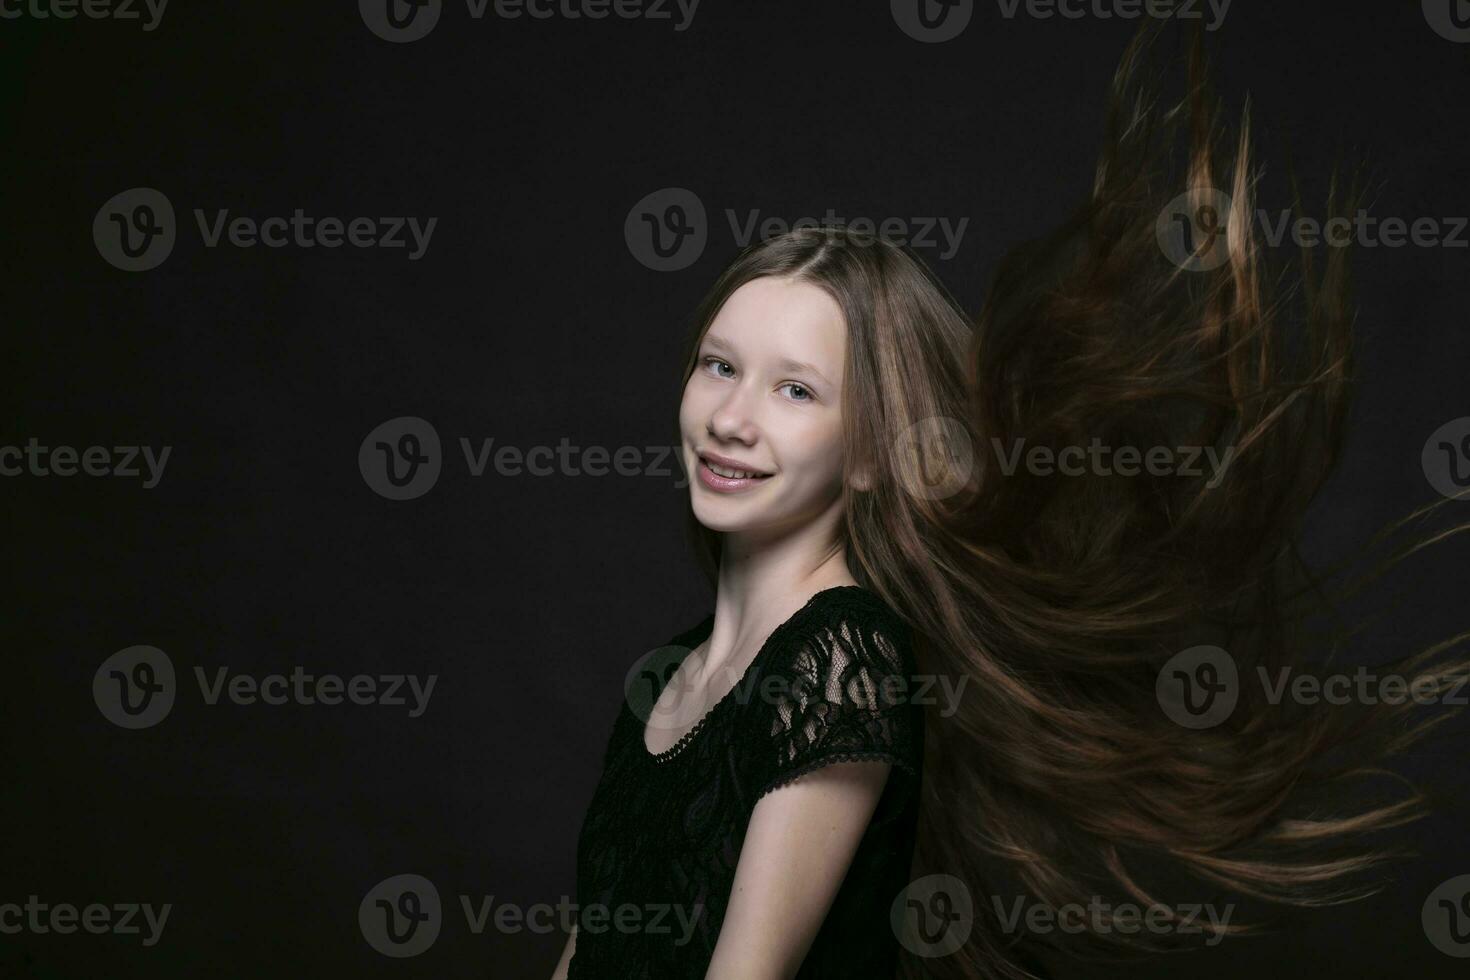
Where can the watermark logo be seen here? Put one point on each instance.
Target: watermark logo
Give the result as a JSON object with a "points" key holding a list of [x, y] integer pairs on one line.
{"points": [[933, 915], [667, 230], [1363, 230], [1362, 686], [1101, 917], [1100, 459], [400, 21], [63, 918], [936, 21], [135, 688], [655, 674], [91, 9], [1446, 459], [934, 457], [1449, 18], [1192, 229], [302, 688], [1446, 917], [135, 230], [401, 916], [918, 231], [932, 21], [1214, 10], [647, 678], [1199, 687], [34, 459], [401, 458]]}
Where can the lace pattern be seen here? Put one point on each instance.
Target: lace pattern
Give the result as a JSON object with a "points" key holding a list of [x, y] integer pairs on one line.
{"points": [[666, 831]]}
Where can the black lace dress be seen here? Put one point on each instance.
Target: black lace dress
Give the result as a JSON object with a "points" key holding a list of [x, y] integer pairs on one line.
{"points": [[662, 835]]}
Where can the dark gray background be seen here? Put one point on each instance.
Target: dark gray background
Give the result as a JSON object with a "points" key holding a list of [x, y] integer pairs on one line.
{"points": [[529, 321]]}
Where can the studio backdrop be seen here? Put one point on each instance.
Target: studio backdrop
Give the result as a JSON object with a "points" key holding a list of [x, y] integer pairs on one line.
{"points": [[343, 345]]}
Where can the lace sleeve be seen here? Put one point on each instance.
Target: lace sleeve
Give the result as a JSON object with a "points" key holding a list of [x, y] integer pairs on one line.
{"points": [[846, 695]]}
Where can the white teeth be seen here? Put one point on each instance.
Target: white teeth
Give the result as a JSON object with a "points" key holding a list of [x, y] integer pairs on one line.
{"points": [[728, 473]]}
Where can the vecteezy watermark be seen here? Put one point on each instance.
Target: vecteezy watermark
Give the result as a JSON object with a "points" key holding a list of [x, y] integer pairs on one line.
{"points": [[1193, 230], [402, 459], [933, 915], [1200, 687], [402, 21], [1100, 917], [667, 230], [91, 9], [1450, 19], [63, 918], [136, 230], [918, 232], [1446, 917], [1211, 11], [118, 461], [136, 688], [660, 697], [1446, 459], [1101, 460], [304, 688], [402, 916], [1363, 230], [935, 458], [932, 21], [936, 21]]}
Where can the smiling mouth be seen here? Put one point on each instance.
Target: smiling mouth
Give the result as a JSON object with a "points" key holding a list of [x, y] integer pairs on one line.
{"points": [[731, 473]]}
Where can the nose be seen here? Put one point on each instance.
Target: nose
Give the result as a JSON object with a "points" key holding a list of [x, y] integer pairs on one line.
{"points": [[733, 418]]}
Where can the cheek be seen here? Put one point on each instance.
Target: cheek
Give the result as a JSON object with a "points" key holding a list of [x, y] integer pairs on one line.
{"points": [[689, 407], [820, 451]]}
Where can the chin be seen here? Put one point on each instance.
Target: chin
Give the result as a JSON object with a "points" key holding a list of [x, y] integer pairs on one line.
{"points": [[724, 519]]}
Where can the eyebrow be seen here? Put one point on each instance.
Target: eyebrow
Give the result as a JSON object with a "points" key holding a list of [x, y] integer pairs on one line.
{"points": [[786, 364]]}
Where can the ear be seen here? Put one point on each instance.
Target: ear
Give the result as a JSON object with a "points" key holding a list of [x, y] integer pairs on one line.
{"points": [[861, 478]]}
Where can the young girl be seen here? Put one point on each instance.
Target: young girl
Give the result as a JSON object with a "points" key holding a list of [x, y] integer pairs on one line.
{"points": [[905, 589]]}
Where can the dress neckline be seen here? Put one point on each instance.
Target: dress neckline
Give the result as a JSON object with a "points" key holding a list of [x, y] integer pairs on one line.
{"points": [[701, 634]]}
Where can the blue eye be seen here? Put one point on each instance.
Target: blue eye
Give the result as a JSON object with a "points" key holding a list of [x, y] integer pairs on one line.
{"points": [[806, 393]]}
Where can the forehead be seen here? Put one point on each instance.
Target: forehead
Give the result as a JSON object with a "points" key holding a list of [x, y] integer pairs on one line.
{"points": [[784, 319]]}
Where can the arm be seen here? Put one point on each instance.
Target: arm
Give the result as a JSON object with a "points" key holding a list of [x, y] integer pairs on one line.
{"points": [[563, 964], [799, 843]]}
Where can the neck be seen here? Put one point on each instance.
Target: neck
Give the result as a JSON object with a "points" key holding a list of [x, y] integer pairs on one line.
{"points": [[762, 582]]}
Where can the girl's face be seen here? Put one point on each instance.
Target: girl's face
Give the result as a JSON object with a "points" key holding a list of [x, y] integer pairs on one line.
{"points": [[761, 417]]}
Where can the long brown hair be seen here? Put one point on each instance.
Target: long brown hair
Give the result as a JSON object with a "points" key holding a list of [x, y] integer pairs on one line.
{"points": [[1062, 597]]}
